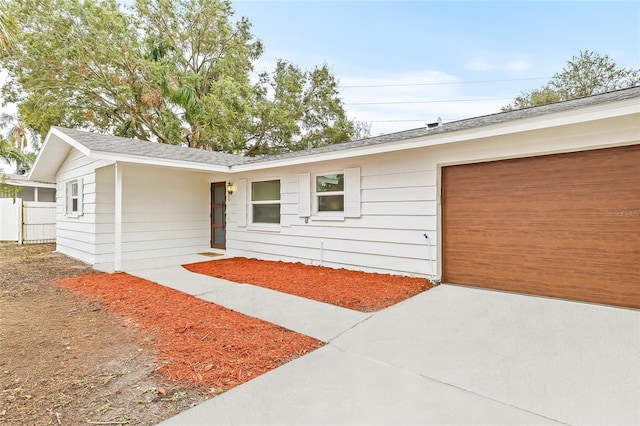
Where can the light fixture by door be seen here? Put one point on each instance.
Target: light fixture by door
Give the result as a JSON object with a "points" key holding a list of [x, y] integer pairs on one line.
{"points": [[230, 188]]}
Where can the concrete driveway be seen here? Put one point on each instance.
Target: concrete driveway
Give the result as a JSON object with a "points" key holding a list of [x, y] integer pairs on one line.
{"points": [[454, 355]]}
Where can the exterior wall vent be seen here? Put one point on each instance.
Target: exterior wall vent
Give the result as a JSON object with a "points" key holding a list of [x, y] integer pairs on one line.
{"points": [[435, 125]]}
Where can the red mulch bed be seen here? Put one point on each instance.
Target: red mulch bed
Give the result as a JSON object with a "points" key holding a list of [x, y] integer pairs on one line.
{"points": [[361, 291], [197, 341]]}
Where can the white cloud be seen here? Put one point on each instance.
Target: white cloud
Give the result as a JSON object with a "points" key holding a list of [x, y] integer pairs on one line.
{"points": [[480, 64], [484, 63], [518, 65], [407, 100]]}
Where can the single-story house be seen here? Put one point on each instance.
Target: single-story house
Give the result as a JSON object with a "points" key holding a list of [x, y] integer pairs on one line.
{"points": [[26, 209], [544, 200], [28, 190]]}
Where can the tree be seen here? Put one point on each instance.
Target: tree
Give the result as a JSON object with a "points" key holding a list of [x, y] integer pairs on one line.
{"points": [[10, 154], [78, 67], [177, 72], [295, 109], [362, 130], [21, 137], [7, 29], [19, 133], [586, 74]]}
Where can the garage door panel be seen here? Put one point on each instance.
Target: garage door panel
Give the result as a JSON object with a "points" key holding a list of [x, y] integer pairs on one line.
{"points": [[564, 225]]}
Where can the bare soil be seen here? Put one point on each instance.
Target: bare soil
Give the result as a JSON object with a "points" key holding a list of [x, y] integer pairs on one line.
{"points": [[65, 360], [78, 347], [197, 341]]}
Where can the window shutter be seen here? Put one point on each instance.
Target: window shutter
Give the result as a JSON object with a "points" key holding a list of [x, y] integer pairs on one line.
{"points": [[352, 192], [241, 202], [304, 195], [80, 196]]}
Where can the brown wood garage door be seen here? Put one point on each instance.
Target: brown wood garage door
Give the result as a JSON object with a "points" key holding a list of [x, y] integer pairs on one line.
{"points": [[564, 225]]}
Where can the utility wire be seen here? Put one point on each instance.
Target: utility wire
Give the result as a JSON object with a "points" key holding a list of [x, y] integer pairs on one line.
{"points": [[403, 121], [440, 84], [429, 102]]}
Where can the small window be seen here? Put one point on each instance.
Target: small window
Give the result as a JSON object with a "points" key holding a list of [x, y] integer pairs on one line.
{"points": [[265, 201], [330, 192], [74, 198]]}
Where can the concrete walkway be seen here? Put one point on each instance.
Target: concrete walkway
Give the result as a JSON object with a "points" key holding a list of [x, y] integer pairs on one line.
{"points": [[319, 320], [449, 356]]}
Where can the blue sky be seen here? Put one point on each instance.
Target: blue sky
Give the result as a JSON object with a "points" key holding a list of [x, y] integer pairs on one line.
{"points": [[423, 44], [432, 59]]}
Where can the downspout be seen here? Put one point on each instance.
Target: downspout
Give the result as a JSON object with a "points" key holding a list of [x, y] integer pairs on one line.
{"points": [[432, 276], [117, 220]]}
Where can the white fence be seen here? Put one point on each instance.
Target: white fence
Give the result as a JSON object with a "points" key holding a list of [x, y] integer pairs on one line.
{"points": [[10, 219], [27, 222], [38, 222]]}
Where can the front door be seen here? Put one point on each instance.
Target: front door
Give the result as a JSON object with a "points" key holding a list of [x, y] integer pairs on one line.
{"points": [[218, 214]]}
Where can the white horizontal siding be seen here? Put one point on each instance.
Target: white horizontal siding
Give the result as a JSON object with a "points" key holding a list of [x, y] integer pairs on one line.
{"points": [[76, 236], [135, 227], [400, 201], [368, 244], [393, 195], [397, 209], [165, 213], [398, 205]]}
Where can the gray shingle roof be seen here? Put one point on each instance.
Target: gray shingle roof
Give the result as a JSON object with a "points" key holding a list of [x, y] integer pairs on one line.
{"points": [[469, 123], [127, 146], [117, 145]]}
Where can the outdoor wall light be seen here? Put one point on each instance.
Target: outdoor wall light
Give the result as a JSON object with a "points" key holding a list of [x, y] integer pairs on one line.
{"points": [[230, 188]]}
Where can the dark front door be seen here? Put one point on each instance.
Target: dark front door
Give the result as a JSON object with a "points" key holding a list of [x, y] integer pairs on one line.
{"points": [[218, 210]]}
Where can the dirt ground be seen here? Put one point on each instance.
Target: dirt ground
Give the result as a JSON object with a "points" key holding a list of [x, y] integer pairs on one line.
{"points": [[65, 360], [83, 348]]}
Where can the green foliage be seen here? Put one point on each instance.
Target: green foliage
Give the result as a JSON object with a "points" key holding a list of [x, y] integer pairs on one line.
{"points": [[8, 29], [296, 108], [7, 190], [174, 71], [584, 75], [11, 154]]}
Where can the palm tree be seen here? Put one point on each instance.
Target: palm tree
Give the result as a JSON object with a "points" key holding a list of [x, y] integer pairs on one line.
{"points": [[19, 136], [11, 154], [19, 133], [8, 29]]}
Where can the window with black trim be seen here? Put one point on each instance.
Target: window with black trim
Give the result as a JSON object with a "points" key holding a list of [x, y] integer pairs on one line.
{"points": [[330, 192], [265, 201]]}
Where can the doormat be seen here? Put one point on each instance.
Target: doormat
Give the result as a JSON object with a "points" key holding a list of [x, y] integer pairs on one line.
{"points": [[209, 254]]}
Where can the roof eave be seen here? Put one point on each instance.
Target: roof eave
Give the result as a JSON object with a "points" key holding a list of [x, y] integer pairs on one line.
{"points": [[161, 162], [40, 171], [562, 118]]}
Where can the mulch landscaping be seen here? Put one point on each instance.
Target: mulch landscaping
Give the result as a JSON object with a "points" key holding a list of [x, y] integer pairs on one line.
{"points": [[216, 348], [361, 291], [197, 341]]}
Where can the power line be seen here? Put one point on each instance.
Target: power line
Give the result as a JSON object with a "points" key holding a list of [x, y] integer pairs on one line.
{"points": [[422, 120], [441, 84], [429, 102]]}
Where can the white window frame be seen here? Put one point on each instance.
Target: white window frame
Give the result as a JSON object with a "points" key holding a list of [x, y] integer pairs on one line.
{"points": [[70, 198], [317, 194], [252, 203]]}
